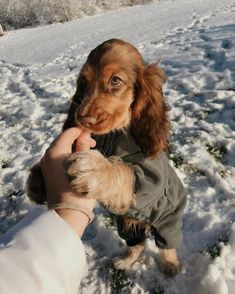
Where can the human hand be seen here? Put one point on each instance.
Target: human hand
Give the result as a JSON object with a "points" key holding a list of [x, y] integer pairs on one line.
{"points": [[58, 188]]}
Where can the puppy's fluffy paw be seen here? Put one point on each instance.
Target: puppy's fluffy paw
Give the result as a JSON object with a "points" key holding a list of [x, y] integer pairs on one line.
{"points": [[88, 173], [129, 257], [170, 264], [171, 269]]}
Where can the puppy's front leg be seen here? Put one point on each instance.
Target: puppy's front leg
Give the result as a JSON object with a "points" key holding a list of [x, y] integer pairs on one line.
{"points": [[108, 180], [171, 265], [129, 257]]}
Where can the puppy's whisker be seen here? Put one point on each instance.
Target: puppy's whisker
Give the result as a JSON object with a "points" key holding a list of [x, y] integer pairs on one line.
{"points": [[108, 146], [75, 103], [83, 102], [80, 104], [112, 132]]}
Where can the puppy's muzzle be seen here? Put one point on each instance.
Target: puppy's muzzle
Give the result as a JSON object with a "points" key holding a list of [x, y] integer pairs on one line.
{"points": [[87, 121]]}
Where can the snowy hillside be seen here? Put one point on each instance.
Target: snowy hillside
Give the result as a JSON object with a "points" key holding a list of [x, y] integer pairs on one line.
{"points": [[195, 43]]}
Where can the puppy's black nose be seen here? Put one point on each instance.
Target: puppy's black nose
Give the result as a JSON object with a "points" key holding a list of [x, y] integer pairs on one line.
{"points": [[88, 121]]}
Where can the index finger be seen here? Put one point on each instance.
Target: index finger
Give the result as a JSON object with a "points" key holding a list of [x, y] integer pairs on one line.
{"points": [[65, 140]]}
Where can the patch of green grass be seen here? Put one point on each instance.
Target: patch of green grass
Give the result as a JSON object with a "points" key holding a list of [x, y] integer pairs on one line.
{"points": [[202, 114], [13, 193], [190, 168], [118, 279], [218, 151], [175, 156], [121, 283], [214, 250], [225, 173], [110, 222]]}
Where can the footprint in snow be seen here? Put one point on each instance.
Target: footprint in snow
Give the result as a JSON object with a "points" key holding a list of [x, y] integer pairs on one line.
{"points": [[204, 37], [217, 57], [226, 44]]}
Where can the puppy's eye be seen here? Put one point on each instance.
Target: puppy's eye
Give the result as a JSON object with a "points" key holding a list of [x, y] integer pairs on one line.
{"points": [[116, 82]]}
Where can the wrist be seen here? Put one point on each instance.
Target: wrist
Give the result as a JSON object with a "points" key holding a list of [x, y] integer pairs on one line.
{"points": [[76, 219], [76, 211], [70, 197], [73, 206]]}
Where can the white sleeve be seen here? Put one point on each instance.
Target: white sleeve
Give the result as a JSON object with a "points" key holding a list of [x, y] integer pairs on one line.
{"points": [[41, 254]]}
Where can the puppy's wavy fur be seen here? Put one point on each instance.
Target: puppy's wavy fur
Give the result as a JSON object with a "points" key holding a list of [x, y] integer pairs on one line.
{"points": [[109, 179], [115, 90], [141, 104]]}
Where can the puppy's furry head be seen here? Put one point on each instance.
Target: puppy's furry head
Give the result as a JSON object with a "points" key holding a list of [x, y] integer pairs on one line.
{"points": [[117, 90]]}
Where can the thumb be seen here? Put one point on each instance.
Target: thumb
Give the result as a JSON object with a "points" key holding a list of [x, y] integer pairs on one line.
{"points": [[62, 144]]}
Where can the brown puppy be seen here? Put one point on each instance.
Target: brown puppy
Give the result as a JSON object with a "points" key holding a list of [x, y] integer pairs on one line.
{"points": [[120, 96]]}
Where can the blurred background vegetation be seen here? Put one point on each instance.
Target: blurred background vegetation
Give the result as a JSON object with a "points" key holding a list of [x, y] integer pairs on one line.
{"points": [[16, 14]]}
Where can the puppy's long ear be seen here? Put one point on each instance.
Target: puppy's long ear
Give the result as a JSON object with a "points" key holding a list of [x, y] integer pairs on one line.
{"points": [[75, 103], [150, 122]]}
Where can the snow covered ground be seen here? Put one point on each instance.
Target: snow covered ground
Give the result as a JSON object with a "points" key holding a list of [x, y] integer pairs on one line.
{"points": [[195, 43]]}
